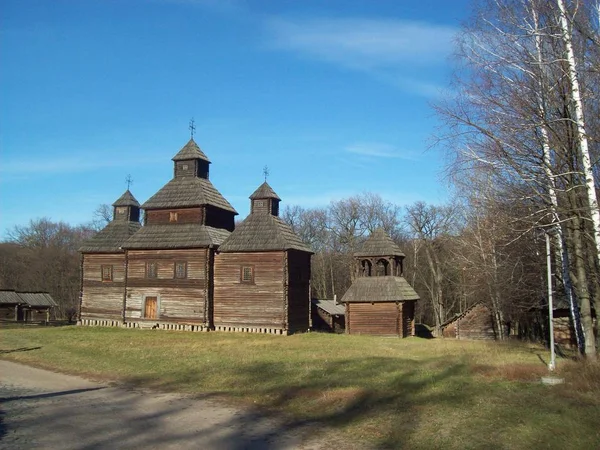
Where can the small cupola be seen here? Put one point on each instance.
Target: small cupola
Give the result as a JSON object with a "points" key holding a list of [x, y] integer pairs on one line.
{"points": [[191, 161], [264, 201], [379, 256], [126, 208]]}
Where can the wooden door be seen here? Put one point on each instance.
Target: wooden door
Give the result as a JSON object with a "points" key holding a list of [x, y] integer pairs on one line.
{"points": [[150, 308]]}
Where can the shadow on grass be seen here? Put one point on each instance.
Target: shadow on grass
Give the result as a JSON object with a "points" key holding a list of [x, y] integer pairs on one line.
{"points": [[384, 395], [22, 349]]}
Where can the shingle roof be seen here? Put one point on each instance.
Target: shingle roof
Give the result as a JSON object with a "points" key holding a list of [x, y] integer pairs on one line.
{"points": [[189, 235], [379, 244], [37, 298], [260, 232], [29, 298], [10, 297], [127, 199], [110, 238], [264, 191], [185, 192], [330, 307], [190, 151], [379, 289]]}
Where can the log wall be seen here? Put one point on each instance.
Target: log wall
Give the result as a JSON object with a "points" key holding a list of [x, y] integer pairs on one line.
{"points": [[184, 215], [257, 305], [103, 299], [383, 319], [476, 324], [181, 301]]}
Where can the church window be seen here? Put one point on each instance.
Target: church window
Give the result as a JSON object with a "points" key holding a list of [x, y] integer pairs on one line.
{"points": [[107, 273], [173, 216], [181, 269], [151, 270], [247, 274], [184, 167], [121, 209], [260, 203]]}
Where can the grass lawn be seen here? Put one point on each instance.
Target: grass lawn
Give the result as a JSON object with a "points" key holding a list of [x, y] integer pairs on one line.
{"points": [[367, 392]]}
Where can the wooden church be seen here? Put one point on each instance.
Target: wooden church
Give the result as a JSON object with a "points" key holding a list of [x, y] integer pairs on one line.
{"points": [[189, 268], [380, 301]]}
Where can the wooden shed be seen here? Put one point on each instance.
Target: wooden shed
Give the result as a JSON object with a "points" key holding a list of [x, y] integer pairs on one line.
{"points": [[475, 323], [328, 315], [103, 265], [380, 301], [170, 259], [25, 306], [262, 273]]}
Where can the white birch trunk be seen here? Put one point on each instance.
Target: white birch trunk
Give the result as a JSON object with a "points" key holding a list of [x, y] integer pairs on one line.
{"points": [[547, 161], [581, 133]]}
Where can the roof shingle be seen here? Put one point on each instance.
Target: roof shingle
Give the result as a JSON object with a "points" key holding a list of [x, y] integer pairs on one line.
{"points": [[127, 199], [110, 238], [189, 235], [379, 289], [264, 191], [379, 244], [263, 232], [187, 192], [190, 151]]}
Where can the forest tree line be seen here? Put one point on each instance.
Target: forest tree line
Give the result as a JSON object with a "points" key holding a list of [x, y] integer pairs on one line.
{"points": [[520, 128]]}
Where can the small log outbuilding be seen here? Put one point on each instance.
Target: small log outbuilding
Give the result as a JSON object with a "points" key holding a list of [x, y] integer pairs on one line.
{"points": [[380, 301], [262, 273], [475, 323], [328, 315], [26, 306]]}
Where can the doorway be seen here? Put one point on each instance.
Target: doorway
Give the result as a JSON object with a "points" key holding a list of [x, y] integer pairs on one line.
{"points": [[150, 307]]}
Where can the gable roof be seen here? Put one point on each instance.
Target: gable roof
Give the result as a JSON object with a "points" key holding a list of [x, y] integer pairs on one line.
{"points": [[190, 151], [379, 244], [263, 232], [379, 289], [188, 192], [127, 199], [264, 191], [330, 307], [188, 235], [110, 238]]}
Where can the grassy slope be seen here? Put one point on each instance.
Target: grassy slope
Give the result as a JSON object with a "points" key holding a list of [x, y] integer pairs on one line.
{"points": [[379, 392]]}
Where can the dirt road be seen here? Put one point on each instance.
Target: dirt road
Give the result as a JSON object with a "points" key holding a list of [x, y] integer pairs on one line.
{"points": [[42, 409]]}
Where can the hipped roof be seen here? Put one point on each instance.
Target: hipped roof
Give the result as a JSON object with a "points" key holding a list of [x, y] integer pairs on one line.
{"points": [[263, 232], [190, 151], [110, 238], [380, 289], [189, 235], [379, 244], [264, 191], [188, 192], [127, 199]]}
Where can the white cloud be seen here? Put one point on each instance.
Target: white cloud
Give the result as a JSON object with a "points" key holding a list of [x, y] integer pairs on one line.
{"points": [[378, 150], [364, 43], [14, 169]]}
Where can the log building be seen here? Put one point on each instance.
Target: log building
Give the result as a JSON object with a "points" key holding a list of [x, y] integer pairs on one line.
{"points": [[189, 268], [380, 301]]}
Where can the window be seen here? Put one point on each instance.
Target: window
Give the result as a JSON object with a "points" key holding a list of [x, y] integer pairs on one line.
{"points": [[184, 167], [173, 216], [247, 274], [121, 209], [107, 273], [260, 203], [151, 270], [181, 269]]}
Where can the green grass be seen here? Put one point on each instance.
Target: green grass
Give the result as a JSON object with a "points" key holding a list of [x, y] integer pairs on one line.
{"points": [[365, 391]]}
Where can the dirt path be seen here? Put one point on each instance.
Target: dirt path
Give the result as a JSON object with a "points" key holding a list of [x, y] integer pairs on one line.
{"points": [[42, 409]]}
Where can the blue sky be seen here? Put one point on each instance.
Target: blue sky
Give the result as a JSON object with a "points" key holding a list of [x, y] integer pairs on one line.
{"points": [[333, 96]]}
